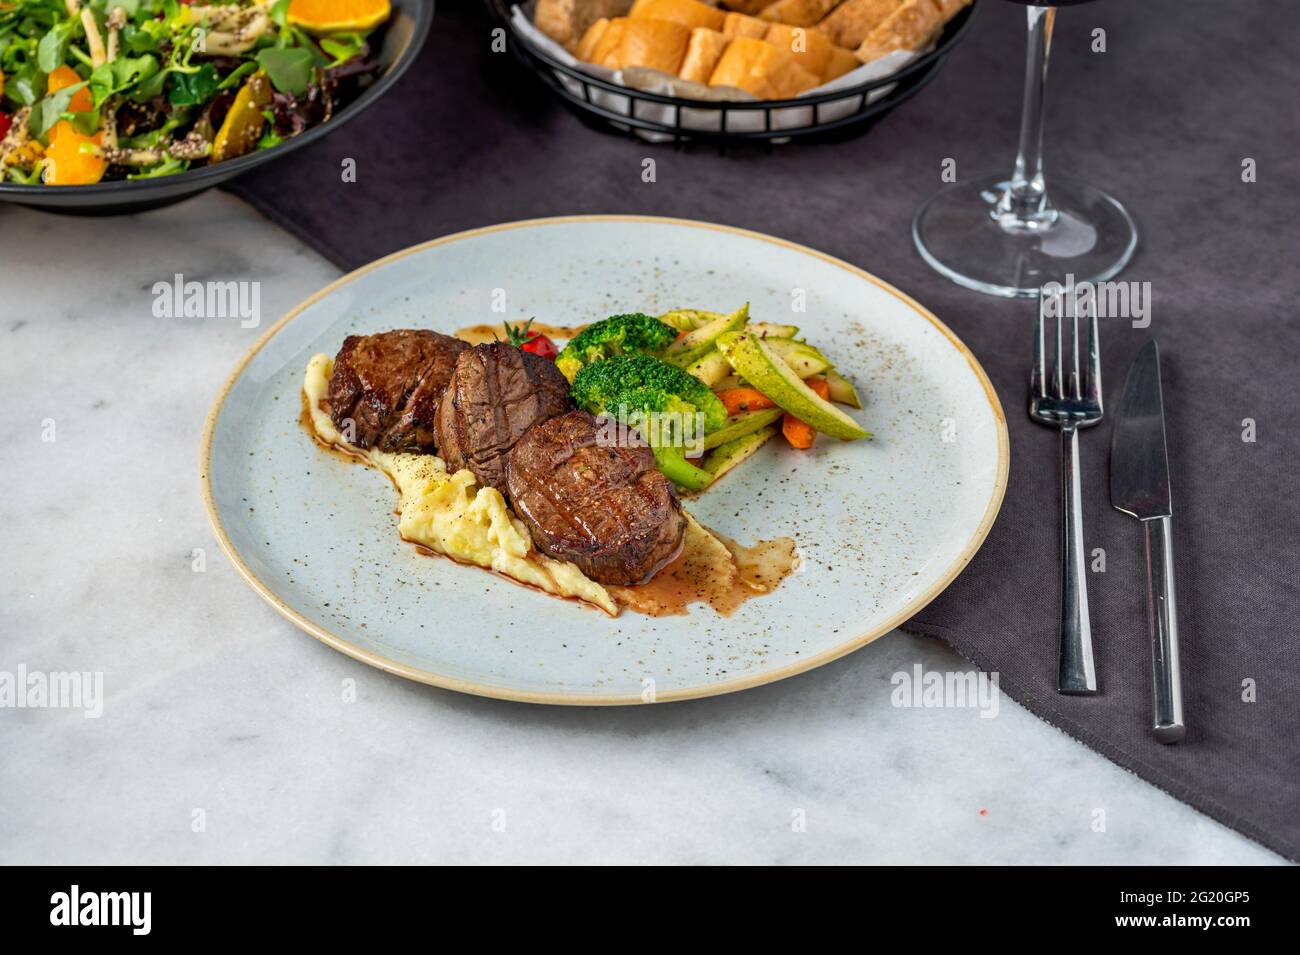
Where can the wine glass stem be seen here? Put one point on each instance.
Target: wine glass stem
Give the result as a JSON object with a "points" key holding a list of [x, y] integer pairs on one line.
{"points": [[1024, 205]]}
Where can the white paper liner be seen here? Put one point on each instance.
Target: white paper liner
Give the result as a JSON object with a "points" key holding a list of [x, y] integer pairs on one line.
{"points": [[703, 118]]}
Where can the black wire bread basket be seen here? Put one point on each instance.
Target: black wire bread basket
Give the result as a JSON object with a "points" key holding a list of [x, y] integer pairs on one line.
{"points": [[659, 117]]}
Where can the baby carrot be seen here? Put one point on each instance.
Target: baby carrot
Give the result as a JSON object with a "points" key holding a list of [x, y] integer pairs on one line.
{"points": [[737, 400], [820, 385], [800, 433]]}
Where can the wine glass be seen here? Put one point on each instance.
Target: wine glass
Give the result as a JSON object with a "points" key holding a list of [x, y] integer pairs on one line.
{"points": [[1012, 236]]}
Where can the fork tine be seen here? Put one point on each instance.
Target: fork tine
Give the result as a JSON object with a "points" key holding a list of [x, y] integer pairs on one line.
{"points": [[1094, 356], [1058, 371], [1076, 382], [1037, 380]]}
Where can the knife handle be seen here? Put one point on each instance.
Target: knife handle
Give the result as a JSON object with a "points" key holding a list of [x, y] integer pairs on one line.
{"points": [[1076, 673], [1162, 624]]}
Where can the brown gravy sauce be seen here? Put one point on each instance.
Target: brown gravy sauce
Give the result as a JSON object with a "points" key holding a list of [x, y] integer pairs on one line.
{"points": [[477, 334], [711, 568], [305, 422]]}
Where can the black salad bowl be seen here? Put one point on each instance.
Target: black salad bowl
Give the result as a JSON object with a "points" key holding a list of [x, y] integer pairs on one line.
{"points": [[397, 43]]}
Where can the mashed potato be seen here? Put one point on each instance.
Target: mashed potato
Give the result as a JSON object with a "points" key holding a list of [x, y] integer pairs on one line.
{"points": [[450, 514]]}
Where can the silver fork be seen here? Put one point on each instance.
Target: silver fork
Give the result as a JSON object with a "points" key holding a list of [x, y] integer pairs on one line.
{"points": [[1069, 401]]}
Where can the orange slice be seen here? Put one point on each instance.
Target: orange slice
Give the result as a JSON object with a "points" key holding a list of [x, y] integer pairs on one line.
{"points": [[73, 159], [63, 76], [338, 16]]}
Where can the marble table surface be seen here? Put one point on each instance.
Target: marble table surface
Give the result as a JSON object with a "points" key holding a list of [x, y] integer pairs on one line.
{"points": [[227, 736]]}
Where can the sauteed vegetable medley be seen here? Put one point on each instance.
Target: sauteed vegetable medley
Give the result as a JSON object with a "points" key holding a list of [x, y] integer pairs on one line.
{"points": [[738, 376], [132, 89]]}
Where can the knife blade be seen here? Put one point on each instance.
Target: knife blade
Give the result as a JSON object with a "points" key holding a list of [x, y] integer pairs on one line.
{"points": [[1139, 487], [1139, 460]]}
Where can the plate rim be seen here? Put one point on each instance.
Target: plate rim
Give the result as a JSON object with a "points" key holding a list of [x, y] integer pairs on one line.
{"points": [[575, 699]]}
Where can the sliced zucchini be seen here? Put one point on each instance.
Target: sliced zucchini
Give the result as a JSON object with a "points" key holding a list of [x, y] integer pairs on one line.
{"points": [[802, 357], [738, 426], [731, 381], [726, 456], [696, 344], [762, 368], [672, 462], [688, 319], [842, 389], [772, 330], [710, 369]]}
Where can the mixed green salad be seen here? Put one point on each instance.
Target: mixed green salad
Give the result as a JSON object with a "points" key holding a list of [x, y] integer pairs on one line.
{"points": [[95, 90]]}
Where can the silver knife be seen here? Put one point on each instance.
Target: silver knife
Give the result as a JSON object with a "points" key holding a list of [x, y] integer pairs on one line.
{"points": [[1139, 486]]}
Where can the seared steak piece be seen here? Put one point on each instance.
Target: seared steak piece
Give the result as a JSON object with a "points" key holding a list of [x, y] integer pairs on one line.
{"points": [[496, 393], [389, 384], [606, 509]]}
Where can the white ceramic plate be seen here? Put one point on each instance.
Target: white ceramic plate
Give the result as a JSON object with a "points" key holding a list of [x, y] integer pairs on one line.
{"points": [[883, 525]]}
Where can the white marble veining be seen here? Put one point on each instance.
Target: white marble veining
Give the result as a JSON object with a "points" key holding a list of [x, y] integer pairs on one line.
{"points": [[214, 703]]}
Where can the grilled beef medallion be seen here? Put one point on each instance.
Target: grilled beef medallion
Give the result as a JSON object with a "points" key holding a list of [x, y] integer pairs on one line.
{"points": [[389, 385], [608, 510], [496, 393]]}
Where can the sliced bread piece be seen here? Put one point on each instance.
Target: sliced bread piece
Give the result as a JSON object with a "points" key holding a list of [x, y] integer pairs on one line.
{"points": [[566, 21], [798, 13], [687, 13], [813, 50], [737, 24], [762, 69], [910, 27], [656, 44], [849, 23], [702, 54]]}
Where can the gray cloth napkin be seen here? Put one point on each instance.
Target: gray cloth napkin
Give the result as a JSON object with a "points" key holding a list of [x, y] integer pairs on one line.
{"points": [[1185, 92]]}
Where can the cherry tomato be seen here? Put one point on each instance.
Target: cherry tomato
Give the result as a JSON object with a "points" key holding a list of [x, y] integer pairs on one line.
{"points": [[541, 346], [522, 336], [5, 122]]}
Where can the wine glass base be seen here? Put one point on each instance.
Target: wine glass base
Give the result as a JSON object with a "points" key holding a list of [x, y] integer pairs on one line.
{"points": [[959, 234]]}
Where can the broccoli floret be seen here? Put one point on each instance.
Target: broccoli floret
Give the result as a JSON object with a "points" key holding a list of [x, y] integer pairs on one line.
{"points": [[615, 335], [643, 382], [638, 385]]}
